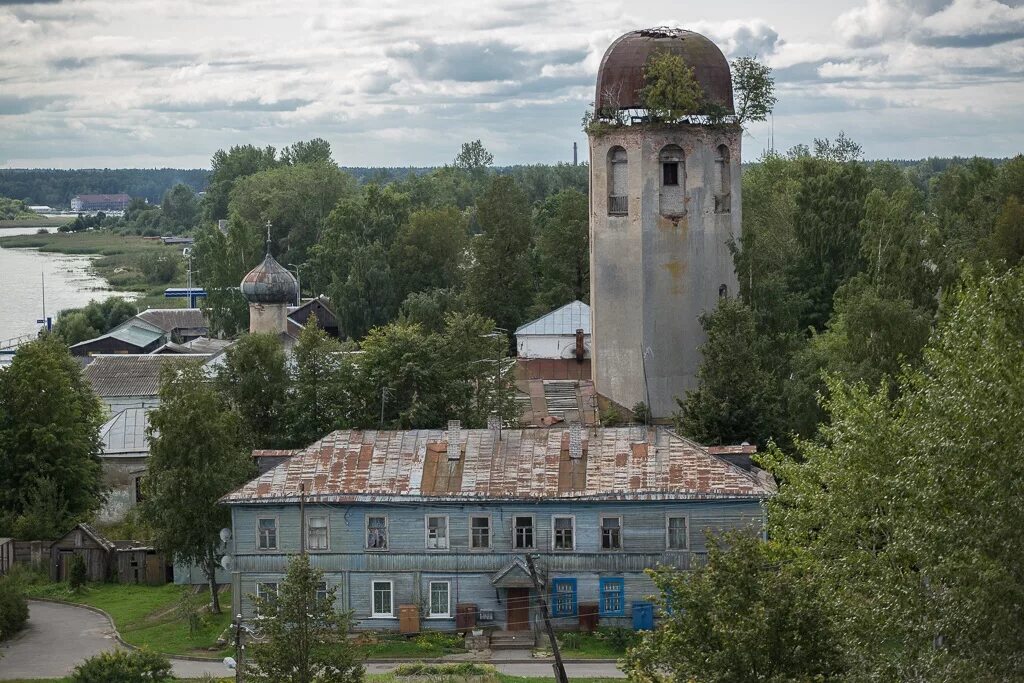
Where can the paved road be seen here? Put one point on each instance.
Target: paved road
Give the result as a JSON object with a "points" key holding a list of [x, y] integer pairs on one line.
{"points": [[59, 637]]}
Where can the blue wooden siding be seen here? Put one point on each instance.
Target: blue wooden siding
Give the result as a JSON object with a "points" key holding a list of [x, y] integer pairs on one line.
{"points": [[411, 567]]}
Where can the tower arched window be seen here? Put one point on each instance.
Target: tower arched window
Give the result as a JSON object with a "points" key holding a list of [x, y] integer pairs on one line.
{"points": [[673, 181], [618, 174], [723, 185]]}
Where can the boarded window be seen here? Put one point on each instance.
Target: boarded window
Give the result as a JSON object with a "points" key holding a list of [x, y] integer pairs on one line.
{"points": [[267, 533], [377, 533], [676, 532], [437, 532], [480, 532], [316, 533], [611, 533], [523, 532], [673, 181], [618, 176]]}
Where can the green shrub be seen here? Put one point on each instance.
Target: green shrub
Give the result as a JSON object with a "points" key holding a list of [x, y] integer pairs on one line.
{"points": [[434, 670], [123, 666], [570, 640], [618, 637], [77, 573], [430, 640], [158, 268], [13, 609]]}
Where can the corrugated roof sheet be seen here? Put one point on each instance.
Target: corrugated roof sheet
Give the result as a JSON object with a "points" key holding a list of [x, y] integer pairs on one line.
{"points": [[130, 374], [170, 319], [563, 321], [125, 433], [206, 345], [535, 464]]}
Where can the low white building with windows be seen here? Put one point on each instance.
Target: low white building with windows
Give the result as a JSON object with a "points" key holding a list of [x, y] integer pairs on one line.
{"points": [[430, 529]]}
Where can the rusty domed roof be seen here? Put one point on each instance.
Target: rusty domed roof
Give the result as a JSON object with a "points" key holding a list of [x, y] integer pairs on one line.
{"points": [[621, 76], [270, 283]]}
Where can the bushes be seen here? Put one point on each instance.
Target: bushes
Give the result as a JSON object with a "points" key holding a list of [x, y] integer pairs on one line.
{"points": [[13, 608], [158, 268], [77, 573], [429, 640], [461, 669], [122, 666]]}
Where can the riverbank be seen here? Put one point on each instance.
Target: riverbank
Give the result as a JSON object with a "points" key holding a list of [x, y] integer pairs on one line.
{"points": [[35, 222], [121, 260]]}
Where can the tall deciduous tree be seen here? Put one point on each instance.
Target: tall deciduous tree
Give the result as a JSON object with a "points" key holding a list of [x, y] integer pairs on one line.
{"points": [[304, 637], [49, 436], [563, 250], [315, 404], [254, 379], [750, 614], [228, 168], [430, 250], [910, 507], [754, 88], [500, 281], [197, 454], [179, 208]]}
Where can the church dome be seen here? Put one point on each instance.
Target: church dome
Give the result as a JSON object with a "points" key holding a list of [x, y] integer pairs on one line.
{"points": [[621, 76], [270, 283]]}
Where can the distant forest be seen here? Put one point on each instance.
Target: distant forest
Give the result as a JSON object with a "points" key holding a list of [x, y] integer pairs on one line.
{"points": [[56, 187]]}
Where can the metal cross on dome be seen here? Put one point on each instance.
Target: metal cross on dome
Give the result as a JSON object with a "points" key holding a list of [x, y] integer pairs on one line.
{"points": [[268, 237]]}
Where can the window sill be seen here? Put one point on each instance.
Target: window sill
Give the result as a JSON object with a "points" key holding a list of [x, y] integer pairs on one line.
{"points": [[438, 617], [376, 550], [382, 616]]}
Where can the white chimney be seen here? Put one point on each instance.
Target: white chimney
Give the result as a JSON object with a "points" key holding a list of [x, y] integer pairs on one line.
{"points": [[454, 435], [575, 441]]}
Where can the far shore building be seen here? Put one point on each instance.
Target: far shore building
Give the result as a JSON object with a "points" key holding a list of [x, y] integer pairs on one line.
{"points": [[100, 202]]}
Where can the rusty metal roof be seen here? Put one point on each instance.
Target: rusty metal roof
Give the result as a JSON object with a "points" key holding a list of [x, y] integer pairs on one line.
{"points": [[621, 75], [533, 464]]}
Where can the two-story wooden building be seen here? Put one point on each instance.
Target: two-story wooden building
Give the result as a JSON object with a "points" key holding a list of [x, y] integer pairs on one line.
{"points": [[442, 520]]}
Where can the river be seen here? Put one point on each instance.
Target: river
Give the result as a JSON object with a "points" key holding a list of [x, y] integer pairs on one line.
{"points": [[69, 284]]}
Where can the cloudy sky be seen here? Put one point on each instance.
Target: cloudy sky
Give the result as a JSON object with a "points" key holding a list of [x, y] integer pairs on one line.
{"points": [[130, 83]]}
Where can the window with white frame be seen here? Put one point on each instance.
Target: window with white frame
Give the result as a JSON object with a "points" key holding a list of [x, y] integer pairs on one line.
{"points": [[267, 533], [676, 532], [437, 532], [316, 533], [611, 533], [479, 532], [376, 532], [613, 603], [522, 531], [381, 605], [563, 535], [440, 599], [321, 593], [266, 592]]}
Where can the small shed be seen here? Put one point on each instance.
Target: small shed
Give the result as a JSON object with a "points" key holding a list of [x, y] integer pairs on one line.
{"points": [[555, 346], [137, 562], [88, 543]]}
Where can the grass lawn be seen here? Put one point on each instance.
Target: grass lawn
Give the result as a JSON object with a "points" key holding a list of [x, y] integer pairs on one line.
{"points": [[604, 643], [118, 258], [391, 646], [35, 221], [148, 616]]}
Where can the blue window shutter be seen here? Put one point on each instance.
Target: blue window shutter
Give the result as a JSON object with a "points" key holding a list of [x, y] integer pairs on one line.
{"points": [[613, 597], [563, 597]]}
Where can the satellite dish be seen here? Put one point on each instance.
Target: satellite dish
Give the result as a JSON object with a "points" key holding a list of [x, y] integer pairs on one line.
{"points": [[227, 562], [225, 535]]}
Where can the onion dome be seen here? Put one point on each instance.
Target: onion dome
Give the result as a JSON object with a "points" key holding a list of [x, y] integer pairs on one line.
{"points": [[270, 283], [621, 76]]}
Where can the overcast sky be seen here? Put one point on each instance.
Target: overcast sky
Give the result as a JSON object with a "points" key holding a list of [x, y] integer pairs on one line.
{"points": [[142, 83]]}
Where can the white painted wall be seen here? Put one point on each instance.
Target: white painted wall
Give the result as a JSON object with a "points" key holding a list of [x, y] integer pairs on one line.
{"points": [[549, 346]]}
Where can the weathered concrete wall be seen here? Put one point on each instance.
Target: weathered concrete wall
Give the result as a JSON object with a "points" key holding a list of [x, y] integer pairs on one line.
{"points": [[268, 318], [653, 275]]}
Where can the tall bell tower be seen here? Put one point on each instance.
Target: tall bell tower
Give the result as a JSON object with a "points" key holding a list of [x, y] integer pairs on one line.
{"points": [[664, 204]]}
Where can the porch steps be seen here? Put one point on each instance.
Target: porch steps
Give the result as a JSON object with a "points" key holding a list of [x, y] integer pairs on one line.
{"points": [[512, 640]]}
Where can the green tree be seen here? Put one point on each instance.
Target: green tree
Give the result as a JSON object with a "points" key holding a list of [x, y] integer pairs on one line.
{"points": [[220, 261], [841, 150], [228, 167], [473, 157], [304, 638], [123, 666], [430, 308], [196, 456], [907, 508], [74, 325], [670, 91], [1008, 236], [255, 381], [316, 401], [315, 151], [500, 280], [563, 250], [49, 432], [754, 89], [430, 249], [180, 208], [737, 397], [750, 614]]}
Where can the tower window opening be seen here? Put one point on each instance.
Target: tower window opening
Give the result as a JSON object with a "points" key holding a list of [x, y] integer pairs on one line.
{"points": [[723, 191], [723, 291], [618, 169], [673, 181]]}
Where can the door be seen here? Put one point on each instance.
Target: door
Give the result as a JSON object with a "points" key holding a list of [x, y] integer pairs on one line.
{"points": [[517, 609]]}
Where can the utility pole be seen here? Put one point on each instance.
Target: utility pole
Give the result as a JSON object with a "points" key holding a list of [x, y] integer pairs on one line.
{"points": [[302, 518], [559, 668], [238, 650]]}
